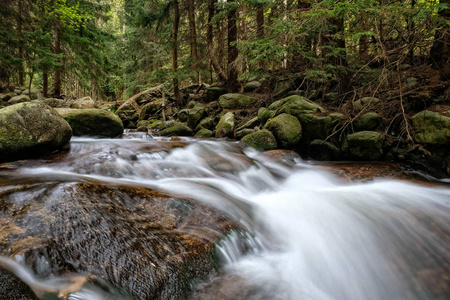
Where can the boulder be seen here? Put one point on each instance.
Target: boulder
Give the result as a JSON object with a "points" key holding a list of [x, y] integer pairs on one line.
{"points": [[196, 114], [368, 121], [317, 127], [236, 101], [243, 132], [214, 92], [92, 122], [286, 129], [225, 127], [204, 133], [265, 114], [85, 102], [252, 86], [431, 128], [206, 123], [260, 140], [295, 105], [149, 95], [183, 114], [150, 109], [6, 97], [177, 130], [364, 145], [365, 102], [129, 112], [19, 99], [30, 129], [34, 93], [56, 103], [252, 123], [323, 150]]}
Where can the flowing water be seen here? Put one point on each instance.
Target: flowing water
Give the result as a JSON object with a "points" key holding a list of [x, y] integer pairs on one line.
{"points": [[303, 232]]}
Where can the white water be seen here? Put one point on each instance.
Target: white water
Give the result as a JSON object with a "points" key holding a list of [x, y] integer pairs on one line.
{"points": [[311, 236]]}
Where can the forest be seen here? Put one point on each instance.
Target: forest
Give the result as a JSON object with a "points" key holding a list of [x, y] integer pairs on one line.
{"points": [[113, 49]]}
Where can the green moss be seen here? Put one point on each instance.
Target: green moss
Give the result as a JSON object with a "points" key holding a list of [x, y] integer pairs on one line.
{"points": [[286, 129], [260, 140]]}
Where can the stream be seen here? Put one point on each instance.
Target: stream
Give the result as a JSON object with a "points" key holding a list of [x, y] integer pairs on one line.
{"points": [[145, 217]]}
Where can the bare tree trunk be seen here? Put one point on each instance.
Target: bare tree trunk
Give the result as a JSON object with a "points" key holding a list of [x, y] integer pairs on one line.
{"points": [[45, 84], [232, 48], [19, 35], [209, 40], [440, 51], [193, 37], [176, 24], [57, 75]]}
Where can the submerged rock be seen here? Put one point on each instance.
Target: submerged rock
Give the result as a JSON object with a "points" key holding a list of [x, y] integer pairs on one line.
{"points": [[92, 122], [31, 129]]}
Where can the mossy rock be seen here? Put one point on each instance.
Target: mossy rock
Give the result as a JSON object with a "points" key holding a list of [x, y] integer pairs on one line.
{"points": [[317, 127], [177, 130], [243, 132], [158, 125], [252, 123], [56, 103], [129, 113], [183, 114], [261, 140], [196, 114], [296, 105], [264, 114], [225, 127], [252, 86], [236, 101], [366, 102], [19, 99], [92, 122], [206, 123], [286, 129], [323, 150], [368, 121], [214, 92], [34, 93], [150, 109], [31, 129], [204, 133], [431, 128], [364, 145]]}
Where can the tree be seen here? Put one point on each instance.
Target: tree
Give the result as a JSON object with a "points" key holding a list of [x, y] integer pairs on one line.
{"points": [[232, 46]]}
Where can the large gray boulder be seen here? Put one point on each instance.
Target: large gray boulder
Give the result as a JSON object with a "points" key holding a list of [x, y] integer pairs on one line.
{"points": [[31, 129], [236, 101], [286, 129], [364, 145], [431, 128], [92, 122]]}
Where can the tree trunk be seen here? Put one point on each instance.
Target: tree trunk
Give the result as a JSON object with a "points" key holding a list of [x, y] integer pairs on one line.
{"points": [[20, 13], [209, 40], [260, 21], [193, 37], [176, 24], [232, 48], [57, 75], [45, 84], [440, 51]]}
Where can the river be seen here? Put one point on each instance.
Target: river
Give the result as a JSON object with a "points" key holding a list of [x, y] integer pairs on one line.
{"points": [[76, 226]]}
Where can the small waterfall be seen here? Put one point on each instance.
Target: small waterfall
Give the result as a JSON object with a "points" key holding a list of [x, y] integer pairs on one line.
{"points": [[305, 234]]}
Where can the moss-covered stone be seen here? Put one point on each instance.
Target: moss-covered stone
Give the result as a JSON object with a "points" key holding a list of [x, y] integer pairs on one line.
{"points": [[286, 129], [368, 121], [236, 101], [150, 109], [265, 114], [225, 127], [260, 140], [129, 113], [243, 132], [177, 130], [323, 150], [364, 145], [431, 128], [252, 86], [206, 123], [252, 123], [92, 122], [31, 129], [365, 102], [296, 105], [316, 127], [214, 92], [19, 99], [196, 114], [204, 133], [34, 93]]}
